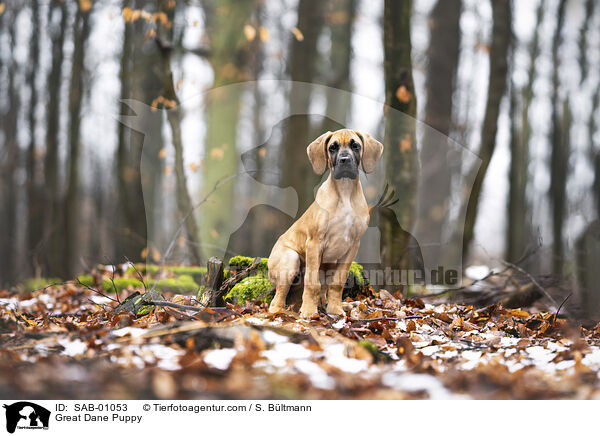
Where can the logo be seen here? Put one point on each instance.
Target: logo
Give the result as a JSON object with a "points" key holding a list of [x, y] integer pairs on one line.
{"points": [[26, 415]]}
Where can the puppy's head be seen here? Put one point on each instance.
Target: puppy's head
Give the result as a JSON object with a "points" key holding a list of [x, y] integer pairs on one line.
{"points": [[343, 151]]}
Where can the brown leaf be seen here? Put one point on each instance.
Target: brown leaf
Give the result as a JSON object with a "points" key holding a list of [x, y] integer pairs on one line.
{"points": [[403, 94]]}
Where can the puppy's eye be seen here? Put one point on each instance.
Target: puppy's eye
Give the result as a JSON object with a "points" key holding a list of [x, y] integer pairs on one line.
{"points": [[334, 147], [355, 146]]}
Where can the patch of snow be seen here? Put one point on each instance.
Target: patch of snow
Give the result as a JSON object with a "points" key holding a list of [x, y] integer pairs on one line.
{"points": [[540, 356], [565, 364], [593, 358], [339, 324], [220, 359], [472, 359], [555, 346], [418, 382], [255, 321], [270, 337], [514, 366], [10, 303], [315, 373], [134, 332], [508, 342], [28, 303], [47, 300], [73, 348], [99, 299], [280, 353], [477, 272], [449, 354], [428, 351], [168, 357], [438, 338], [335, 355]]}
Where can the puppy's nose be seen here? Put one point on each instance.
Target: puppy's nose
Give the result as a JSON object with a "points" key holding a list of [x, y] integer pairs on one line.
{"points": [[344, 158]]}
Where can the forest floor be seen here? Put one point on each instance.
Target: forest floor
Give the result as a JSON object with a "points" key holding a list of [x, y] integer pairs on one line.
{"points": [[67, 342]]}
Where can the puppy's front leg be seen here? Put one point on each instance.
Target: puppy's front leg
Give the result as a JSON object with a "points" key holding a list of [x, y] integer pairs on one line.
{"points": [[335, 289], [312, 284]]}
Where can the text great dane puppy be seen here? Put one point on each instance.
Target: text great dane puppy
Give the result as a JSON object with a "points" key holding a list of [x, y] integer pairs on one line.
{"points": [[327, 236]]}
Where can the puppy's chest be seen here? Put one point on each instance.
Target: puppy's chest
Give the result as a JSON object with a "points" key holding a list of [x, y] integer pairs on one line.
{"points": [[345, 229]]}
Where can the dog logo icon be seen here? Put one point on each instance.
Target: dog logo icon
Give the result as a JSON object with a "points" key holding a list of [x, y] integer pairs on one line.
{"points": [[26, 415]]}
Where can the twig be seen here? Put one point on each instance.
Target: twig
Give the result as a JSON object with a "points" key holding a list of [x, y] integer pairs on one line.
{"points": [[171, 245], [96, 291], [560, 307], [184, 306], [384, 318], [531, 278], [526, 254], [140, 276]]}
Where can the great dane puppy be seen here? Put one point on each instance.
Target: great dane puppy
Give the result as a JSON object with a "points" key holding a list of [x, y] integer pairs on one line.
{"points": [[327, 236]]}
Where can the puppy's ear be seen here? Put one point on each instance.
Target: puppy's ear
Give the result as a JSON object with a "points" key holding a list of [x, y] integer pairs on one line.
{"points": [[372, 151], [317, 153]]}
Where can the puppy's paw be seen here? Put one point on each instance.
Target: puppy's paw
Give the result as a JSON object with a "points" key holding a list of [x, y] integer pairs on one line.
{"points": [[276, 308], [309, 312], [335, 310]]}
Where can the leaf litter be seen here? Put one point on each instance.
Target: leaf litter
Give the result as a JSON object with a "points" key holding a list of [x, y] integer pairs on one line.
{"points": [[67, 341]]}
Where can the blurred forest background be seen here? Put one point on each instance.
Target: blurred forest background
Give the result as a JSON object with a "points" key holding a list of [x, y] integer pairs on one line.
{"points": [[517, 83]]}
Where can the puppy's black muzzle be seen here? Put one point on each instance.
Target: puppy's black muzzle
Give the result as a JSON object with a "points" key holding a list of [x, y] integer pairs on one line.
{"points": [[345, 165]]}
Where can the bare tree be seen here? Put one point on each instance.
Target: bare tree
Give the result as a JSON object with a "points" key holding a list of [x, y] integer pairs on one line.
{"points": [[52, 209], [34, 201], [9, 157], [71, 205], [518, 227], [301, 68], [228, 58], [559, 138], [401, 157], [174, 116], [500, 43], [442, 64]]}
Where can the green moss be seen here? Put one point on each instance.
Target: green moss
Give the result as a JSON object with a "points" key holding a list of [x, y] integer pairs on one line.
{"points": [[121, 283], [86, 280], [35, 283], [241, 262], [187, 270], [174, 285], [200, 292], [254, 287], [370, 347], [356, 269]]}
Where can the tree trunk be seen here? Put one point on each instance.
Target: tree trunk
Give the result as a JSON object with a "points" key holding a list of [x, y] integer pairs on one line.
{"points": [[71, 205], [583, 39], [301, 68], [560, 149], [441, 81], [339, 18], [401, 157], [221, 158], [35, 212], [52, 209], [501, 37], [9, 157], [137, 196], [518, 231]]}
